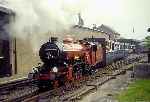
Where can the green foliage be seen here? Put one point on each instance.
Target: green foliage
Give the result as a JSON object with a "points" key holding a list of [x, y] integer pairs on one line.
{"points": [[137, 92], [147, 41]]}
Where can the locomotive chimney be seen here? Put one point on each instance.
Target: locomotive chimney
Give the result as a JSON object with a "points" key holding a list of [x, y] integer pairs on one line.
{"points": [[54, 39]]}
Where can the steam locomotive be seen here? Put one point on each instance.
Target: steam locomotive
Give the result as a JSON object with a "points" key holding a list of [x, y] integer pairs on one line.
{"points": [[68, 61]]}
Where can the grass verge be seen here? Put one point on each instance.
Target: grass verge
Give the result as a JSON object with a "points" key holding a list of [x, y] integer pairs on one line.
{"points": [[136, 92]]}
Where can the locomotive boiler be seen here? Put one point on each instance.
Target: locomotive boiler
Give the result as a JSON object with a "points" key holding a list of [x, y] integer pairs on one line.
{"points": [[67, 61]]}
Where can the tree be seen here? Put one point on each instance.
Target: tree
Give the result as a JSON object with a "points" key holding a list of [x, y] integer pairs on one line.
{"points": [[147, 41]]}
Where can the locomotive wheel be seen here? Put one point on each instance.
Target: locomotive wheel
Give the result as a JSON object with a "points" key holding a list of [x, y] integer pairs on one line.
{"points": [[86, 69], [92, 70]]}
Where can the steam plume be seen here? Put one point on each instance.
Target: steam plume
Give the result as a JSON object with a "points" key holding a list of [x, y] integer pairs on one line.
{"points": [[38, 19]]}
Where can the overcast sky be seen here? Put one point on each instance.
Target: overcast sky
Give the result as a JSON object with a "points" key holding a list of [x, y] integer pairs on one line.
{"points": [[122, 15]]}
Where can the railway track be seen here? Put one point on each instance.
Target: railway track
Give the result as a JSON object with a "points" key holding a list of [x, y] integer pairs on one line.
{"points": [[26, 92], [77, 89], [17, 89], [15, 83]]}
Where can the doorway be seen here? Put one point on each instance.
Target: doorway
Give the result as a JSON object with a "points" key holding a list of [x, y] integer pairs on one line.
{"points": [[5, 66]]}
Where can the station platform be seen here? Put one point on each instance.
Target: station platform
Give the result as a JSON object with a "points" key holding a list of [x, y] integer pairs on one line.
{"points": [[13, 78]]}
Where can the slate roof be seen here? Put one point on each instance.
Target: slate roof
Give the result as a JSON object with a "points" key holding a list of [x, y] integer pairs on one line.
{"points": [[103, 28], [107, 30], [132, 41]]}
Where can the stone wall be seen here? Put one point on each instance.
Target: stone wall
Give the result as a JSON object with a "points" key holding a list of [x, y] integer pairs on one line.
{"points": [[26, 57], [142, 70]]}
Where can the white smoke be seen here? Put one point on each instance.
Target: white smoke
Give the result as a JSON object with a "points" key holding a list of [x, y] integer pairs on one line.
{"points": [[40, 19]]}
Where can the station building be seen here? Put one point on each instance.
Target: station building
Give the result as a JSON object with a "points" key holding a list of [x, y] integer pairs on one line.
{"points": [[16, 55]]}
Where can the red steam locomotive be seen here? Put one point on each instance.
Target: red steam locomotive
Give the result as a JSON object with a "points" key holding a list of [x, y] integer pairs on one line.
{"points": [[68, 61]]}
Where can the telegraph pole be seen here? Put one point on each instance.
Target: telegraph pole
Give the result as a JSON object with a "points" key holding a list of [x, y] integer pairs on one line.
{"points": [[15, 52]]}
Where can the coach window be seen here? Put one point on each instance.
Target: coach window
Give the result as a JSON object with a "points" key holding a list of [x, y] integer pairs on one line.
{"points": [[113, 46], [110, 44], [94, 47]]}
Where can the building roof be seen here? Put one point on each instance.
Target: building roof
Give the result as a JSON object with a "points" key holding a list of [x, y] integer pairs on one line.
{"points": [[132, 41], [85, 28], [107, 30], [95, 39], [103, 29]]}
